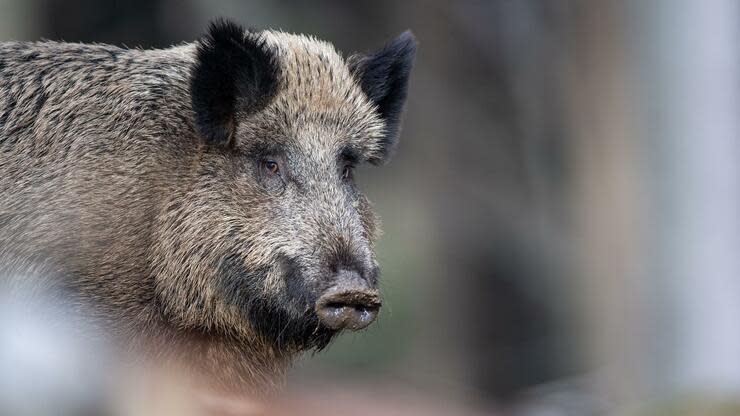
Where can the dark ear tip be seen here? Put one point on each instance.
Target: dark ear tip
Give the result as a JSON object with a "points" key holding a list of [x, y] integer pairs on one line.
{"points": [[222, 29], [220, 22], [406, 44], [408, 37]]}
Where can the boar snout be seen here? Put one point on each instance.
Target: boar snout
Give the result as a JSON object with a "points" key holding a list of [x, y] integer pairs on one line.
{"points": [[350, 304]]}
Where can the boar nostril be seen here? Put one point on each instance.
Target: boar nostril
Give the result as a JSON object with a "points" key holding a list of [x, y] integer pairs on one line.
{"points": [[342, 308]]}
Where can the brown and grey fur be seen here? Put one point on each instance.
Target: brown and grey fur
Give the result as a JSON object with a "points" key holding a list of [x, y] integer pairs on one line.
{"points": [[113, 193]]}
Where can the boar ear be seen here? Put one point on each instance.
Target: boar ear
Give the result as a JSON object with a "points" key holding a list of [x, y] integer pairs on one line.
{"points": [[384, 77], [234, 73]]}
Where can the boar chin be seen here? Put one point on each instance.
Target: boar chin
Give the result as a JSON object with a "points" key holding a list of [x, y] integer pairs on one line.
{"points": [[285, 319], [287, 331]]}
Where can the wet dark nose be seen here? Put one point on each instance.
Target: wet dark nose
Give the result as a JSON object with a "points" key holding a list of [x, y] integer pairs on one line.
{"points": [[350, 304]]}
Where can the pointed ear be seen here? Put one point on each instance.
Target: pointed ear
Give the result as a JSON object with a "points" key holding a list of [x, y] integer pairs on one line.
{"points": [[234, 74], [384, 77]]}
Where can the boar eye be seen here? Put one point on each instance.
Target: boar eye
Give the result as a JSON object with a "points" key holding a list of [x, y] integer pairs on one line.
{"points": [[347, 160], [347, 171], [271, 175], [271, 167]]}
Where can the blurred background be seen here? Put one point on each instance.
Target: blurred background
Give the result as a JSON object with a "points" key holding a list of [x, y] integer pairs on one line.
{"points": [[562, 217]]}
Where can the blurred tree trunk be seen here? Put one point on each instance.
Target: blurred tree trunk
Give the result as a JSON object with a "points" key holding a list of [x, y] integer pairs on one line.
{"points": [[18, 19], [654, 115], [133, 23], [607, 204], [690, 90]]}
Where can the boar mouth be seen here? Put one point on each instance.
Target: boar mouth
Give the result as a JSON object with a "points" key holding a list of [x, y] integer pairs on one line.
{"points": [[351, 303], [340, 308]]}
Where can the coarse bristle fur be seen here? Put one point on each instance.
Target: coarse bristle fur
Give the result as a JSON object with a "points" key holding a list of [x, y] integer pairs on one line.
{"points": [[198, 199]]}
